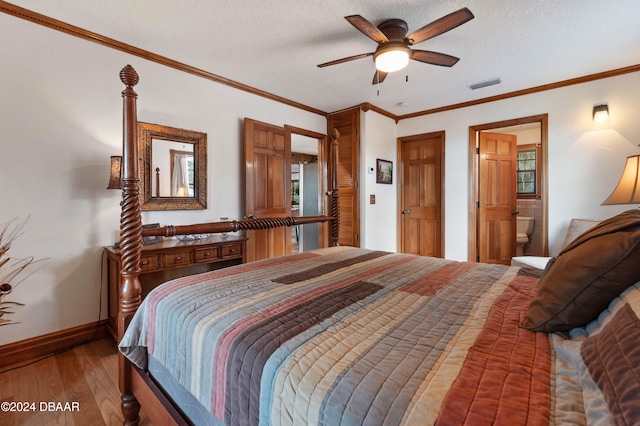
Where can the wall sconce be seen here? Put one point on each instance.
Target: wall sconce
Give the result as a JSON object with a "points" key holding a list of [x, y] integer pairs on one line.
{"points": [[628, 189], [600, 113], [115, 178]]}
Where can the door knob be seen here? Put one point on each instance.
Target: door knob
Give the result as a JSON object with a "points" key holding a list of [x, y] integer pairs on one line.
{"points": [[406, 211], [515, 212]]}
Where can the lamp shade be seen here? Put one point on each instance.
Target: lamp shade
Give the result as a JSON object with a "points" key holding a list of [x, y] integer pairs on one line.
{"points": [[183, 191], [115, 177], [628, 189]]}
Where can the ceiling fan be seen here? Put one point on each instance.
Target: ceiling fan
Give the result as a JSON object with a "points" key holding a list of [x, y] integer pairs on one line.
{"points": [[394, 45]]}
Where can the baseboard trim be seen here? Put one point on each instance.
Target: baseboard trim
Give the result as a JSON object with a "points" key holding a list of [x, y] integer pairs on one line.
{"points": [[28, 350]]}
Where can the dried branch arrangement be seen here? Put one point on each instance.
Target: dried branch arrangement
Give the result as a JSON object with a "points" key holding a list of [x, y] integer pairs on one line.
{"points": [[10, 268]]}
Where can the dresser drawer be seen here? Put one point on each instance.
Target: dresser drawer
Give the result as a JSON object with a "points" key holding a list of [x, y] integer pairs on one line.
{"points": [[231, 251], [205, 254], [168, 260], [176, 258], [148, 263]]}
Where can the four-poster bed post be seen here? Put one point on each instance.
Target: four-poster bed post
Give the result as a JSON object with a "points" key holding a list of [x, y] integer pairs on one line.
{"points": [[134, 384], [130, 236]]}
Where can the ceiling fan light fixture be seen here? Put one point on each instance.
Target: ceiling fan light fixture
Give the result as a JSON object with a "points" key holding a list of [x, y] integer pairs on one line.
{"points": [[392, 57]]}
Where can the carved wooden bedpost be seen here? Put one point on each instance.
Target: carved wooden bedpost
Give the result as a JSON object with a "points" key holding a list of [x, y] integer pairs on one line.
{"points": [[335, 200], [130, 236]]}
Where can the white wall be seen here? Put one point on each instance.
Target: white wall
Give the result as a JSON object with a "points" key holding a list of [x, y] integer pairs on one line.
{"points": [[585, 160], [60, 121], [378, 222]]}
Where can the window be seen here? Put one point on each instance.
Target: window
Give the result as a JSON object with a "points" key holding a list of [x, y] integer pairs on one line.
{"points": [[182, 174], [528, 180]]}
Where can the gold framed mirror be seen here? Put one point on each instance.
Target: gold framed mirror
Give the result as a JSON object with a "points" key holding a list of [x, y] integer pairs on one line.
{"points": [[173, 168]]}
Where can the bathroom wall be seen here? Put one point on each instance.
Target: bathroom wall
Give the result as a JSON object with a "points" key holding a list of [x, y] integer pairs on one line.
{"points": [[532, 208]]}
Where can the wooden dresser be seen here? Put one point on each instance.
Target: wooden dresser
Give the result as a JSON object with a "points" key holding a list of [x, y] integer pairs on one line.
{"points": [[172, 259]]}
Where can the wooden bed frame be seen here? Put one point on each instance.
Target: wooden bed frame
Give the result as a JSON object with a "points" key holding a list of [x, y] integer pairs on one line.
{"points": [[137, 387]]}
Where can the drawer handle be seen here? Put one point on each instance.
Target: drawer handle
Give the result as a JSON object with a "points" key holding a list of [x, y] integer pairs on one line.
{"points": [[207, 253], [232, 250], [178, 258], [145, 262]]}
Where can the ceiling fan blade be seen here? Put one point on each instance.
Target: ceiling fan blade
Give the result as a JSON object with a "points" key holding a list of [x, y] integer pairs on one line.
{"points": [[347, 59], [379, 77], [367, 28], [440, 26], [434, 58]]}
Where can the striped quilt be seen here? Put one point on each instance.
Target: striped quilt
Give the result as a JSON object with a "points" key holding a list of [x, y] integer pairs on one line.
{"points": [[347, 336]]}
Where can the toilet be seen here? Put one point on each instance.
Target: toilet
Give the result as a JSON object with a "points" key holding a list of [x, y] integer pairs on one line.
{"points": [[524, 229]]}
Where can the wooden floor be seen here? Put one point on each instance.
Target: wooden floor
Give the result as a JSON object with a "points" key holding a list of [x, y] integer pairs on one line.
{"points": [[77, 387]]}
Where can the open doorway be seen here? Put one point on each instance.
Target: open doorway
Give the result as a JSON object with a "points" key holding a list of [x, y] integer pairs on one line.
{"points": [[308, 183], [526, 197]]}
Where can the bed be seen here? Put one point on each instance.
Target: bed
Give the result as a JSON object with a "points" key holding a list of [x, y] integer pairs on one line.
{"points": [[349, 336]]}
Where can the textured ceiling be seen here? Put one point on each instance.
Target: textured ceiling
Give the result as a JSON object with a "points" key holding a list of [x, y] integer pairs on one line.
{"points": [[275, 46]]}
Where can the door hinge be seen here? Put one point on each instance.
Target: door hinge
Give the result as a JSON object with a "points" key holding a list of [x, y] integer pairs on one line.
{"points": [[357, 237], [357, 184], [477, 204], [477, 258], [477, 150]]}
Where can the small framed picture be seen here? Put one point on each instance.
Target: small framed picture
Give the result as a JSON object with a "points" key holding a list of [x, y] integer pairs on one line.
{"points": [[384, 171], [152, 239]]}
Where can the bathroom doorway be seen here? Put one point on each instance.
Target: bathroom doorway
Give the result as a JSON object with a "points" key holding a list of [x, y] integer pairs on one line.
{"points": [[530, 182]]}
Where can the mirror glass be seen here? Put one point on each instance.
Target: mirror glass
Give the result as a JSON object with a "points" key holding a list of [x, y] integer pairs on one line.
{"points": [[173, 164], [306, 179]]}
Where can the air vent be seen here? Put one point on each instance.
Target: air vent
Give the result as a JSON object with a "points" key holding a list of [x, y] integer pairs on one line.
{"points": [[482, 84]]}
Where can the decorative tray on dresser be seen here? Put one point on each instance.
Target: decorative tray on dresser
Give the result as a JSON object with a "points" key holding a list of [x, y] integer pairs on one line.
{"points": [[170, 259]]}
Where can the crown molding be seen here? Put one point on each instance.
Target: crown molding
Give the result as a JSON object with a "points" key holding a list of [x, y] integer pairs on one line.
{"points": [[366, 106], [72, 30], [529, 91], [48, 22]]}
